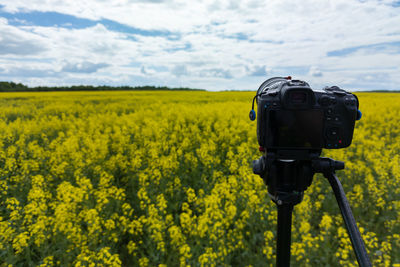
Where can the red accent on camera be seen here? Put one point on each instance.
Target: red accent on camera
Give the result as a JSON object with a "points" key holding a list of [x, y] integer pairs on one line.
{"points": [[288, 78], [261, 149]]}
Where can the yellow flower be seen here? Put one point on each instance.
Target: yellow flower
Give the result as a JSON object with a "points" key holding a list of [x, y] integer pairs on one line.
{"points": [[20, 242]]}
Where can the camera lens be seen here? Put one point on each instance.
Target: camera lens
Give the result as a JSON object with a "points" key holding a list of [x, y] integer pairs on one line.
{"points": [[298, 97]]}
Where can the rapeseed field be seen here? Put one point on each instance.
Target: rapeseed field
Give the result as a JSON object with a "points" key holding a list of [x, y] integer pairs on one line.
{"points": [[164, 179]]}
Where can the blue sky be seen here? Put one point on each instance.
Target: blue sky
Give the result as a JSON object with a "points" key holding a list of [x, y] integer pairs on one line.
{"points": [[214, 45]]}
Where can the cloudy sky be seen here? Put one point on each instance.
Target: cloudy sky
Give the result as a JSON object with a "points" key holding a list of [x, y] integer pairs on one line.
{"points": [[214, 45]]}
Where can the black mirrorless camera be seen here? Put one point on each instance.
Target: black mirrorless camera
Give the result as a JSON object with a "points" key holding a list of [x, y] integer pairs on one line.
{"points": [[292, 116]]}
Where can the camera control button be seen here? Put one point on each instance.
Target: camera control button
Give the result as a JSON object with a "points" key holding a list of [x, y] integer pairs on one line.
{"points": [[328, 118], [333, 133], [324, 101], [329, 111], [272, 93], [350, 101], [336, 119], [340, 93]]}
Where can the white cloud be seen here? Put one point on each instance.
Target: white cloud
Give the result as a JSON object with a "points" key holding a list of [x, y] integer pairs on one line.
{"points": [[216, 73], [315, 72], [14, 41], [83, 67], [179, 70], [219, 44], [258, 70]]}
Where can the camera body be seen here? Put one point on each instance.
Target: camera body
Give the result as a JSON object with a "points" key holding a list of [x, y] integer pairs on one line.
{"points": [[292, 116]]}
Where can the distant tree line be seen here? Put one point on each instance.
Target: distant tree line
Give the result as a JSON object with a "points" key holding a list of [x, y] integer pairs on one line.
{"points": [[19, 87]]}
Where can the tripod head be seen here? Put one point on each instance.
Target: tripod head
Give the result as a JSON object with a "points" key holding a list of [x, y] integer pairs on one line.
{"points": [[288, 173]]}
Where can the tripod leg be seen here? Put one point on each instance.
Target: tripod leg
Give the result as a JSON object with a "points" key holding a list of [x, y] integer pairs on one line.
{"points": [[284, 235], [352, 229]]}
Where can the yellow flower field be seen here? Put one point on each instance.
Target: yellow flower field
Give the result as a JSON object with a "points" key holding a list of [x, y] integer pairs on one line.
{"points": [[157, 178]]}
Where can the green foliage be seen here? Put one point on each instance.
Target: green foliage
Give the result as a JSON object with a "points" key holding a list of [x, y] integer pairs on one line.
{"points": [[13, 87]]}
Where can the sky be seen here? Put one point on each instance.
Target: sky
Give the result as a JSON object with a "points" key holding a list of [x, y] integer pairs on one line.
{"points": [[205, 44]]}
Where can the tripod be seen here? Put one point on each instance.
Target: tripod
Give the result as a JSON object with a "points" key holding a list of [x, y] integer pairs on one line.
{"points": [[288, 174]]}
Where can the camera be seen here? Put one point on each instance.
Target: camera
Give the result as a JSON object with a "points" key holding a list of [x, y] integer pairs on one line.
{"points": [[293, 116]]}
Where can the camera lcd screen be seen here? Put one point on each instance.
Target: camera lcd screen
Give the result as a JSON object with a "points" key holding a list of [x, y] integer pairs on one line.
{"points": [[295, 129]]}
